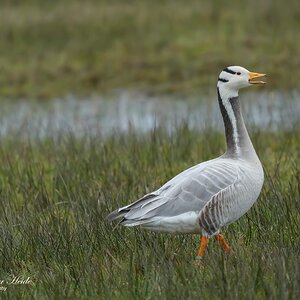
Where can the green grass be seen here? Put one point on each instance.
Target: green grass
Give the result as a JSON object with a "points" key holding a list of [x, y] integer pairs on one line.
{"points": [[52, 48], [56, 194]]}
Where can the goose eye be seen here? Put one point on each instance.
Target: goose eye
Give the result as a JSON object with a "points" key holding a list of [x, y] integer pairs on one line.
{"points": [[238, 73]]}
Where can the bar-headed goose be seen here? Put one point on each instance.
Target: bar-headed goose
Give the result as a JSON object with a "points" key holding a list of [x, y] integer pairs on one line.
{"points": [[212, 194]]}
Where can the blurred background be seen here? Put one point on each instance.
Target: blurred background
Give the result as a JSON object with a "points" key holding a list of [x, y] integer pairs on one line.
{"points": [[137, 52]]}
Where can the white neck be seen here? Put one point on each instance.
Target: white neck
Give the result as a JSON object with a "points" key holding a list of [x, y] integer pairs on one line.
{"points": [[227, 92]]}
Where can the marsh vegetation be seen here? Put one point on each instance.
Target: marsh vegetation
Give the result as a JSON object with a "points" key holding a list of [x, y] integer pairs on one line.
{"points": [[56, 194], [51, 48]]}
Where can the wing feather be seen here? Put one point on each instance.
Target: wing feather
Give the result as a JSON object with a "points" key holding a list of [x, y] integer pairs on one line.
{"points": [[189, 191]]}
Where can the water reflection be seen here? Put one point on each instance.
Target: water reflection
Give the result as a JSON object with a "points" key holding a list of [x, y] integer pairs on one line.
{"points": [[132, 111]]}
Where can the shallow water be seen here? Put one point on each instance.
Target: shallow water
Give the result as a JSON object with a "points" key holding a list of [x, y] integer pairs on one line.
{"points": [[126, 111]]}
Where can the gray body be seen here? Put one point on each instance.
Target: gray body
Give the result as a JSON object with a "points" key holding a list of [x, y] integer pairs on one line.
{"points": [[209, 195]]}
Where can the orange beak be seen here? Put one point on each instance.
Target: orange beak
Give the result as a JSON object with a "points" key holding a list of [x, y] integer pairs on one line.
{"points": [[253, 76]]}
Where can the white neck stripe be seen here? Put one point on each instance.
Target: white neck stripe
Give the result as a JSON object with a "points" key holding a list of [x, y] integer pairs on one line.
{"points": [[226, 94]]}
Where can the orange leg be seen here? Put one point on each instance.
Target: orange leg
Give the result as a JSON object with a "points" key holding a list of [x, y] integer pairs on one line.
{"points": [[203, 244], [222, 242]]}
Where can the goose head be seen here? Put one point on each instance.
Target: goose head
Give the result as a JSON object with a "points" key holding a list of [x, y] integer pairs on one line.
{"points": [[236, 77]]}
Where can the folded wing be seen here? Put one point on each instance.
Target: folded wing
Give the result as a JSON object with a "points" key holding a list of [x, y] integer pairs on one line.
{"points": [[189, 191]]}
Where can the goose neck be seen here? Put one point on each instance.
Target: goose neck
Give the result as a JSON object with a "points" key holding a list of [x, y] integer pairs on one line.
{"points": [[237, 138]]}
